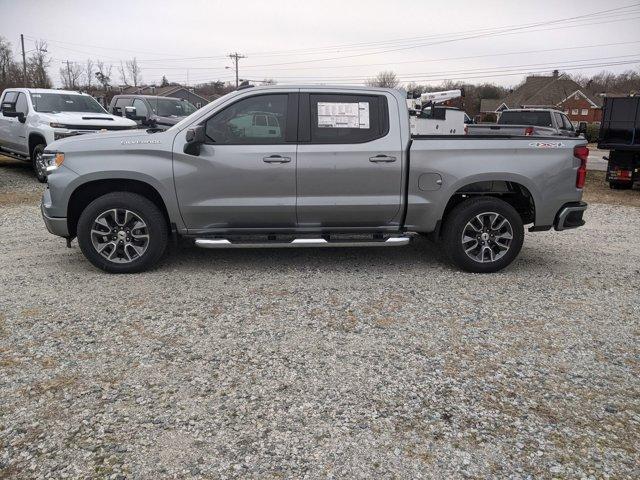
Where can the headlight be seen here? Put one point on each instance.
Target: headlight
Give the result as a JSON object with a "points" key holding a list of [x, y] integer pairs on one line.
{"points": [[59, 135], [57, 125], [52, 160]]}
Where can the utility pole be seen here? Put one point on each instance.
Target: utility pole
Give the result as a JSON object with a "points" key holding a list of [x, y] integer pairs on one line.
{"points": [[24, 60], [235, 57]]}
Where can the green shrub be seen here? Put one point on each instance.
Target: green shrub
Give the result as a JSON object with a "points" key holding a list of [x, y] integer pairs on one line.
{"points": [[592, 132]]}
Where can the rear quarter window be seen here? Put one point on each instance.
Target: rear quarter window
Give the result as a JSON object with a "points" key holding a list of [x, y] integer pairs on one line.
{"points": [[538, 119]]}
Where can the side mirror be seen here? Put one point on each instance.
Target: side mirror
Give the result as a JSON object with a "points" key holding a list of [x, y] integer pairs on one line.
{"points": [[131, 113], [9, 110], [194, 138], [21, 117]]}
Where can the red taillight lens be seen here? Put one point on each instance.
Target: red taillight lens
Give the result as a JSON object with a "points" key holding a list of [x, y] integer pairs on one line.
{"points": [[528, 131], [582, 153]]}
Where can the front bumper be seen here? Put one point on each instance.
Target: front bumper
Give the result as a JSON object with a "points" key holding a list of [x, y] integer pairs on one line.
{"points": [[55, 225], [570, 216]]}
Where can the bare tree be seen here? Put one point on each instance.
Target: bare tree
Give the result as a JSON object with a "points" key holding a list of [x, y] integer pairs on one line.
{"points": [[134, 71], [70, 74], [103, 74], [88, 75], [123, 74], [386, 79], [8, 67], [37, 65]]}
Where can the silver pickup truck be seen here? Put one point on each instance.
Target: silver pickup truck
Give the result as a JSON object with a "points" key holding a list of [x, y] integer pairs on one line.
{"points": [[527, 121], [308, 167]]}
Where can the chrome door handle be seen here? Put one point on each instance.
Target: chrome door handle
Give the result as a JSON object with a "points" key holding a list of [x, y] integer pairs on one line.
{"points": [[276, 159], [382, 159]]}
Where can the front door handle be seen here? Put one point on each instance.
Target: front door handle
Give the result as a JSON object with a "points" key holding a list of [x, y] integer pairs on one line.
{"points": [[382, 159], [276, 159]]}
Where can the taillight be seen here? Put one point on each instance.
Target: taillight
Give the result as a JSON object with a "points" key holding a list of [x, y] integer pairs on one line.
{"points": [[466, 130], [528, 131], [582, 153]]}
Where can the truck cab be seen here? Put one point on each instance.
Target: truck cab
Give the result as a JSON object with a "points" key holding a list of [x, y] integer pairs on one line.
{"points": [[31, 119], [151, 110]]}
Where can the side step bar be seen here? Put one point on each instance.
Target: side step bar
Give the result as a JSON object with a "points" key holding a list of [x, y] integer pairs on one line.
{"points": [[301, 243]]}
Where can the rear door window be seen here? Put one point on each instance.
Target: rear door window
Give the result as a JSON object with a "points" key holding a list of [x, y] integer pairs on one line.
{"points": [[342, 118]]}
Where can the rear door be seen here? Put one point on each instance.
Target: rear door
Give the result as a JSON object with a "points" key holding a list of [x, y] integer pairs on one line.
{"points": [[245, 174], [349, 160]]}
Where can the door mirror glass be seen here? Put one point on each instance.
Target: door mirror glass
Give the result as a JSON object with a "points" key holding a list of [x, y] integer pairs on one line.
{"points": [[193, 139]]}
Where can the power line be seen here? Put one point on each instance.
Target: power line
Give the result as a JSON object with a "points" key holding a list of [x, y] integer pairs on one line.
{"points": [[489, 31]]}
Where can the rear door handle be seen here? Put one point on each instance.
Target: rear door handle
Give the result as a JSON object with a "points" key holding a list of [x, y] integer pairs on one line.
{"points": [[276, 159], [382, 159]]}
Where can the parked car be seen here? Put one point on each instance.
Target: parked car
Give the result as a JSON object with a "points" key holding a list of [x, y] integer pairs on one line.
{"points": [[528, 121], [620, 133], [151, 111], [31, 119], [342, 171]]}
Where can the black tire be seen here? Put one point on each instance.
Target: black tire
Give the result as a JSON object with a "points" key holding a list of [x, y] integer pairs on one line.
{"points": [[38, 168], [620, 185], [156, 227], [456, 224]]}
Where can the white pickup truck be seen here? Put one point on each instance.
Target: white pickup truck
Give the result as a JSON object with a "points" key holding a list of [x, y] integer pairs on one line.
{"points": [[31, 119]]}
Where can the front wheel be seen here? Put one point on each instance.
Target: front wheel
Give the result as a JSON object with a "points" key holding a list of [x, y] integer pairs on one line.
{"points": [[483, 235], [122, 232], [37, 161]]}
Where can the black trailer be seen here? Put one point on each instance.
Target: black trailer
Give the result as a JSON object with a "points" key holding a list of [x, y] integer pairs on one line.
{"points": [[620, 133]]}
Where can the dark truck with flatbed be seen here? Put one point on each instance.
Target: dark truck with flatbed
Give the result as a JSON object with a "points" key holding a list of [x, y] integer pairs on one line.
{"points": [[620, 134]]}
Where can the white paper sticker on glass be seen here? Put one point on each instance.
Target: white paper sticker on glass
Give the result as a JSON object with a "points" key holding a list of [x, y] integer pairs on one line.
{"points": [[343, 115]]}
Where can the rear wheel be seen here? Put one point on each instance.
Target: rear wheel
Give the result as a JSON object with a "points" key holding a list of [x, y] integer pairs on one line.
{"points": [[122, 232], [37, 161], [483, 235]]}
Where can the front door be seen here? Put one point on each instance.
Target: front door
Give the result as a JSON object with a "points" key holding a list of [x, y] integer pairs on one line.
{"points": [[245, 174], [349, 161]]}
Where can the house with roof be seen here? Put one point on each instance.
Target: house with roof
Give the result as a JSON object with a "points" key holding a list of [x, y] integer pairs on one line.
{"points": [[174, 91], [556, 91]]}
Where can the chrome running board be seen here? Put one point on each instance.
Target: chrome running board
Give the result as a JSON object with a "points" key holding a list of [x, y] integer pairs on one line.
{"points": [[301, 243]]}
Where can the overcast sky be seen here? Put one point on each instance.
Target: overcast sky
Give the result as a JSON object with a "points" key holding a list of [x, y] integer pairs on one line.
{"points": [[334, 41]]}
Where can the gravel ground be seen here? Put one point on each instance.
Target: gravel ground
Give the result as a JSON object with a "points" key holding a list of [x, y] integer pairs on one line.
{"points": [[369, 363]]}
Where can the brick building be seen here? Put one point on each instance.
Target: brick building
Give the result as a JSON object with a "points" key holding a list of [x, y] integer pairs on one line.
{"points": [[556, 91], [581, 108]]}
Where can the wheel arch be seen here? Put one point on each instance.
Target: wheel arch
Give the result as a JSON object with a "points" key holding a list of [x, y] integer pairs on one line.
{"points": [[87, 192], [519, 194], [35, 139]]}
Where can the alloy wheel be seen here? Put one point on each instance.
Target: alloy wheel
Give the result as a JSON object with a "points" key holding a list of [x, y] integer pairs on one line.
{"points": [[487, 237], [120, 235]]}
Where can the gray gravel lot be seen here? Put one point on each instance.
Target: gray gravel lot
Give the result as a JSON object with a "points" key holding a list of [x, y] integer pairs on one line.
{"points": [[370, 363]]}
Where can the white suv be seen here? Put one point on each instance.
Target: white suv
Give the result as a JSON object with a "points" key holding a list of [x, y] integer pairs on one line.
{"points": [[30, 119]]}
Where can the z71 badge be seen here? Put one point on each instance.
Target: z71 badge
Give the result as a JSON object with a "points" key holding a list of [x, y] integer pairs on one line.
{"points": [[547, 144]]}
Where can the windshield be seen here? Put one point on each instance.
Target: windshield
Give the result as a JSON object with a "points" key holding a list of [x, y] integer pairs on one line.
{"points": [[165, 107], [64, 102], [535, 118]]}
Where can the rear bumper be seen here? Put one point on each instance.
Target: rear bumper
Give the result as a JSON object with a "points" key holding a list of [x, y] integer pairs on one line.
{"points": [[55, 225], [570, 216]]}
